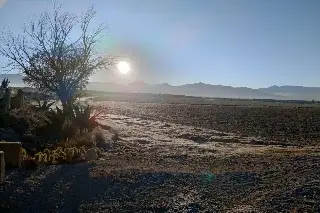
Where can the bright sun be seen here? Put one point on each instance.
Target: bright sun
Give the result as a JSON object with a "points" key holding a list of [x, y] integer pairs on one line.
{"points": [[123, 67]]}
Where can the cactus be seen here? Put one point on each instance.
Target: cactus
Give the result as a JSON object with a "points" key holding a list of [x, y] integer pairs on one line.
{"points": [[23, 152], [47, 151], [38, 157], [51, 159], [61, 157], [55, 157], [76, 151], [83, 150], [69, 154], [44, 158]]}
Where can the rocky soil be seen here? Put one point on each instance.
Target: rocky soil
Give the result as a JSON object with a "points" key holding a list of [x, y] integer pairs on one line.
{"points": [[172, 158]]}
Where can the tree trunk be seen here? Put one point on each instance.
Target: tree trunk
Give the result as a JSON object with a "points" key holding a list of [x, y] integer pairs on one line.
{"points": [[67, 107]]}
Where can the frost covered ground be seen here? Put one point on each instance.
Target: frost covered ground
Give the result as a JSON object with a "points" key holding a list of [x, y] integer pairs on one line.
{"points": [[170, 139], [162, 164]]}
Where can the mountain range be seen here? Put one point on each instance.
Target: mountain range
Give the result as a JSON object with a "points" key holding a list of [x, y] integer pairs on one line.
{"points": [[198, 89]]}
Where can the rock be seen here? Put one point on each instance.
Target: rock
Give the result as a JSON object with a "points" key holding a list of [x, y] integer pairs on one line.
{"points": [[103, 138], [91, 154]]}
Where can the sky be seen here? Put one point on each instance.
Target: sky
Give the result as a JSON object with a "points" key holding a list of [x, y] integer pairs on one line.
{"points": [[247, 43]]}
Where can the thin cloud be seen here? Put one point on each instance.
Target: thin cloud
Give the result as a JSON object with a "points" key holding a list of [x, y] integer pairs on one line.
{"points": [[2, 2]]}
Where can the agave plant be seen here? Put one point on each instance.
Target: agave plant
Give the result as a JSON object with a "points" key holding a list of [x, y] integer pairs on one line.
{"points": [[57, 120], [45, 105], [84, 118], [5, 83]]}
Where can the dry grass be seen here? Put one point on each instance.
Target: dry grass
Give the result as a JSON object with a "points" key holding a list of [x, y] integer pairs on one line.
{"points": [[84, 139]]}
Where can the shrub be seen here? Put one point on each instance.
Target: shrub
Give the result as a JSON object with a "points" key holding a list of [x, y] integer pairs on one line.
{"points": [[78, 141], [27, 120], [45, 105], [100, 139], [23, 152], [5, 83], [69, 129], [83, 117]]}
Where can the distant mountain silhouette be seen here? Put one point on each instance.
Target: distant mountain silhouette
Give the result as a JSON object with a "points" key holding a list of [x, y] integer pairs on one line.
{"points": [[198, 89], [294, 92], [15, 79]]}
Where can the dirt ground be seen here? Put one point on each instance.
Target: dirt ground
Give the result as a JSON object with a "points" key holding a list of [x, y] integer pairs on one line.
{"points": [[180, 158]]}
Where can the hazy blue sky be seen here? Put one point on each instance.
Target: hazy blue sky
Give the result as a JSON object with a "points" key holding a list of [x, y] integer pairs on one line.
{"points": [[253, 43]]}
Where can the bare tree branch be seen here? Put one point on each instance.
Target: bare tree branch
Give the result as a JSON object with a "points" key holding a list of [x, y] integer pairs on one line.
{"points": [[51, 58]]}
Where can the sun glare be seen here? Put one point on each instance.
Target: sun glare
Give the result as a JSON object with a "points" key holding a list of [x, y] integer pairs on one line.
{"points": [[123, 67]]}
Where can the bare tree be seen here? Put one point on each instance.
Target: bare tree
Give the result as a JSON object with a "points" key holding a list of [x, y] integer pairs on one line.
{"points": [[56, 53]]}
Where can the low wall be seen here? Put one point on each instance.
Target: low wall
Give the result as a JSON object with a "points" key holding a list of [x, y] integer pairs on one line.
{"points": [[12, 153], [2, 167]]}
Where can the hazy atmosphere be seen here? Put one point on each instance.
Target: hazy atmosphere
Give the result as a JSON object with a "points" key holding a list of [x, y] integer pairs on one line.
{"points": [[160, 106], [236, 43]]}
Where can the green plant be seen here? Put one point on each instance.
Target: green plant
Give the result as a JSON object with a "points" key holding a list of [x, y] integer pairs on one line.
{"points": [[5, 83], [77, 141], [69, 154], [47, 151], [82, 150], [69, 129], [5, 101], [44, 158], [27, 121], [51, 58], [23, 152], [45, 105], [62, 157], [56, 122], [55, 157], [86, 117], [38, 157], [77, 153]]}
